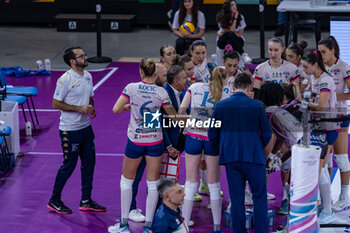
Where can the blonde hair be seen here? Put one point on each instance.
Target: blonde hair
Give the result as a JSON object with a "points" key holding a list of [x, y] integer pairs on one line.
{"points": [[148, 66], [217, 83]]}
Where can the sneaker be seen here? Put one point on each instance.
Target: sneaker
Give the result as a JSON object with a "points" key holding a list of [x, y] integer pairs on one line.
{"points": [[248, 200], [169, 13], [281, 229], [326, 217], [280, 30], [246, 58], [91, 206], [58, 207], [117, 228], [197, 197], [270, 196], [228, 209], [147, 230], [136, 216], [341, 204], [284, 207], [190, 223], [203, 189]]}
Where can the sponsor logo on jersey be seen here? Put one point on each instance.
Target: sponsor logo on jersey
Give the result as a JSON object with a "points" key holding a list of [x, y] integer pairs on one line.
{"points": [[323, 85], [286, 74]]}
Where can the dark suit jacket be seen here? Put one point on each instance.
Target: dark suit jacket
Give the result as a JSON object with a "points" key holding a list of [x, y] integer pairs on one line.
{"points": [[173, 136], [245, 130]]}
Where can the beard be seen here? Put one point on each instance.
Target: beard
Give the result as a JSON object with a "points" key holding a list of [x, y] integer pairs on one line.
{"points": [[82, 64], [158, 82]]}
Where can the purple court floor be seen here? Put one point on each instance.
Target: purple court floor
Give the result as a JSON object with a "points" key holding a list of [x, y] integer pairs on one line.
{"points": [[25, 191]]}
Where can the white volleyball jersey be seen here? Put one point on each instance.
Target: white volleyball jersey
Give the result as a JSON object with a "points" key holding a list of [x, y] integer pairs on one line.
{"points": [[76, 90], [285, 73], [201, 72], [228, 89], [202, 107], [340, 72], [145, 99], [325, 83]]}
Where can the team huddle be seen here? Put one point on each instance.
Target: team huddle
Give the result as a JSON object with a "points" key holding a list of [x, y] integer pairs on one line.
{"points": [[277, 82]]}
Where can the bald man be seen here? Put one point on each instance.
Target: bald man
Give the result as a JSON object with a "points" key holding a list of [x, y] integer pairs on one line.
{"points": [[161, 74]]}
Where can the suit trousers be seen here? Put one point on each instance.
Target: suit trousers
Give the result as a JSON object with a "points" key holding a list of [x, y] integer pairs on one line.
{"points": [[237, 174]]}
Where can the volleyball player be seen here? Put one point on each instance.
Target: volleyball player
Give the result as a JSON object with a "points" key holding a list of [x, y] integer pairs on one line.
{"points": [[198, 52], [276, 69], [294, 53], [323, 100], [144, 140], [340, 72], [230, 62], [167, 55], [202, 97]]}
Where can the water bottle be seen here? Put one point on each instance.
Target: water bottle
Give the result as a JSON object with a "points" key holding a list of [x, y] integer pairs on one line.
{"points": [[47, 64], [39, 64], [28, 128]]}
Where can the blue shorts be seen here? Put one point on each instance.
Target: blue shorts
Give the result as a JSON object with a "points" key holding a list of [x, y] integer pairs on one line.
{"points": [[195, 146], [134, 151], [331, 136], [345, 124], [319, 139]]}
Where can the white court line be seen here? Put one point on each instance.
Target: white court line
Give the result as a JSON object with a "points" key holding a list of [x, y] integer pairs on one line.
{"points": [[43, 110], [105, 78], [60, 153], [95, 70]]}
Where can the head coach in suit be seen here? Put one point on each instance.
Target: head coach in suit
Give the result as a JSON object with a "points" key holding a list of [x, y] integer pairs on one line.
{"points": [[176, 82], [242, 137]]}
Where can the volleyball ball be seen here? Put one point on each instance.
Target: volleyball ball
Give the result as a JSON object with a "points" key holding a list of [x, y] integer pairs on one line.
{"points": [[187, 27]]}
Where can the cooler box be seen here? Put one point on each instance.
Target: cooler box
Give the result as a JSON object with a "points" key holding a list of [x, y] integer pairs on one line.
{"points": [[9, 114]]}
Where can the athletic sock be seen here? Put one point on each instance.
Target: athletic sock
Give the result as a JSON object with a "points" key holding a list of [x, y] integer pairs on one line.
{"points": [[285, 192], [152, 199], [344, 191], [190, 190], [325, 190], [215, 202]]}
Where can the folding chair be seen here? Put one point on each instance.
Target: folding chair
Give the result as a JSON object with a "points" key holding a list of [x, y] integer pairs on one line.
{"points": [[6, 158]]}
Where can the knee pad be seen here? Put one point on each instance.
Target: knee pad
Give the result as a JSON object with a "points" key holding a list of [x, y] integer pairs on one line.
{"points": [[330, 160], [214, 190], [342, 161], [125, 184], [286, 165], [324, 176], [153, 185], [190, 190]]}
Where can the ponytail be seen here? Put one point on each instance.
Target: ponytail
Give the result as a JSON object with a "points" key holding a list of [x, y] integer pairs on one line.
{"points": [[314, 56], [148, 66], [216, 83]]}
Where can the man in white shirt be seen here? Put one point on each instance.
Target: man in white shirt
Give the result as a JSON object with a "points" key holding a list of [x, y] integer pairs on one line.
{"points": [[73, 96]]}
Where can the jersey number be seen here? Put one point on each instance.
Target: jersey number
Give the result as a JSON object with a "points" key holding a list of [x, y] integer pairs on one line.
{"points": [[205, 99], [144, 108]]}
